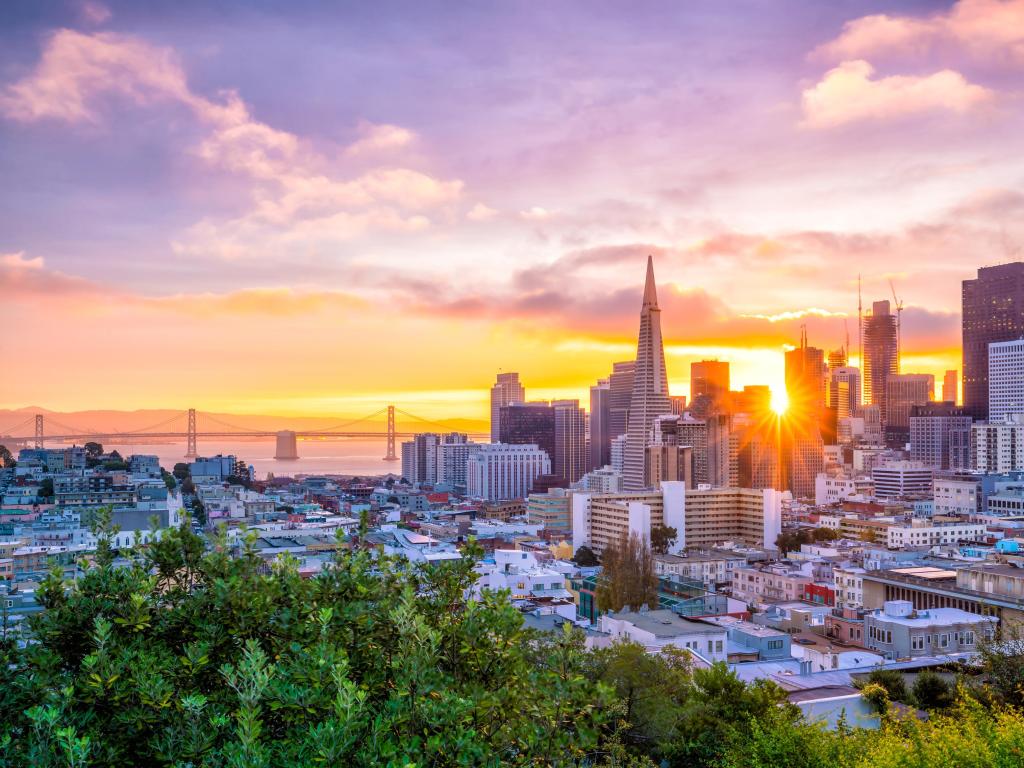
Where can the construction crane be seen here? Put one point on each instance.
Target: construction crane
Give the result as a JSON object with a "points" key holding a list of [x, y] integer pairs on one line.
{"points": [[899, 324]]}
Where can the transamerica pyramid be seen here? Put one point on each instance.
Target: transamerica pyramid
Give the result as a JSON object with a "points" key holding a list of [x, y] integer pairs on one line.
{"points": [[650, 387]]}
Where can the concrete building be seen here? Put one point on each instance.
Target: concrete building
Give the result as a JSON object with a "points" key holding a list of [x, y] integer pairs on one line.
{"points": [[710, 379], [956, 496], [1005, 379], [452, 457], [993, 311], [834, 486], [901, 479], [998, 446], [620, 393], [603, 480], [712, 568], [899, 631], [923, 533], [844, 390], [553, 510], [903, 392], [506, 391], [650, 386], [940, 436], [849, 587], [569, 461], [703, 518], [599, 429], [880, 354], [746, 637], [498, 472], [658, 629], [529, 424], [950, 380]]}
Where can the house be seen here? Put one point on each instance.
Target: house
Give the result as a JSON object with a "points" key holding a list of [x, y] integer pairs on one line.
{"points": [[658, 629], [897, 631]]}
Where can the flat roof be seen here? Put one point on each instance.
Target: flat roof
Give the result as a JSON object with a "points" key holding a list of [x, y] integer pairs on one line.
{"points": [[665, 623]]}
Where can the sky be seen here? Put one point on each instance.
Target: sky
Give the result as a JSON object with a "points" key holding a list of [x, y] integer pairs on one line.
{"points": [[318, 208]]}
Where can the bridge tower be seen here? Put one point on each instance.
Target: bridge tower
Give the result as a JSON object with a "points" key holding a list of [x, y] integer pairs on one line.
{"points": [[190, 449], [39, 430], [391, 435]]}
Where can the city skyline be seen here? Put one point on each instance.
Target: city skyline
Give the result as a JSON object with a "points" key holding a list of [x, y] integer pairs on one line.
{"points": [[328, 226]]}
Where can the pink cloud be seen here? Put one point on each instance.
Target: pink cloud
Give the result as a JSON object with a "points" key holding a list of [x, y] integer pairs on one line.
{"points": [[848, 94], [991, 29], [378, 138]]}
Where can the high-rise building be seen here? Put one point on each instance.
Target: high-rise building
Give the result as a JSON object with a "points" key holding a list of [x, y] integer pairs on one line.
{"points": [[529, 424], [1005, 378], [998, 446], [569, 462], [880, 354], [719, 433], [599, 426], [710, 379], [677, 450], [498, 472], [431, 458], [805, 378], [838, 358], [844, 390], [940, 436], [993, 310], [618, 454], [755, 400], [452, 455], [620, 393], [949, 387], [903, 392], [678, 403], [650, 386], [506, 391]]}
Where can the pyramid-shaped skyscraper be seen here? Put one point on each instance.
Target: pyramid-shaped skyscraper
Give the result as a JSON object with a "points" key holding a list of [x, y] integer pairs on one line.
{"points": [[650, 387]]}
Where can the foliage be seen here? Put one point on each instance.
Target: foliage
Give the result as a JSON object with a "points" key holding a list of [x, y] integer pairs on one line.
{"points": [[891, 681], [168, 479], [585, 557], [627, 577], [242, 480], [931, 692], [115, 465], [93, 449], [6, 458], [181, 470], [199, 512], [46, 488], [196, 657], [1003, 661], [791, 541], [662, 538]]}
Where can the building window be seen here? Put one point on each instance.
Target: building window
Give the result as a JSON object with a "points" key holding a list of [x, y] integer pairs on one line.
{"points": [[917, 643]]}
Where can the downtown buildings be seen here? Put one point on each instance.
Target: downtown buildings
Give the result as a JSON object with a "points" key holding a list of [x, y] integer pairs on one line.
{"points": [[506, 391], [880, 354]]}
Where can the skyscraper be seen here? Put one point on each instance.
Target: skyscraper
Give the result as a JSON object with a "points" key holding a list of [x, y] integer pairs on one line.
{"points": [[620, 392], [805, 378], [1005, 378], [949, 387], [709, 378], [904, 391], [600, 435], [880, 354], [650, 386], [940, 436], [993, 310], [569, 462], [529, 424], [506, 391], [844, 390]]}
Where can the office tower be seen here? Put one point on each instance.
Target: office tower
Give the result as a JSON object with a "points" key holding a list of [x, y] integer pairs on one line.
{"points": [[719, 433], [1005, 378], [804, 460], [600, 414], [569, 462], [678, 403], [844, 390], [903, 391], [873, 434], [805, 378], [529, 424], [620, 392], [650, 386], [949, 387], [676, 441], [618, 453], [998, 445], [452, 454], [837, 358], [801, 447], [880, 356], [710, 379], [498, 472], [506, 391], [940, 436], [993, 310], [754, 448], [754, 400]]}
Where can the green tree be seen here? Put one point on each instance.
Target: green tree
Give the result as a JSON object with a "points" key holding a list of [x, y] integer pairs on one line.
{"points": [[585, 557], [930, 691], [46, 488], [181, 470], [627, 576], [1002, 658], [662, 538], [6, 458], [892, 681], [93, 450]]}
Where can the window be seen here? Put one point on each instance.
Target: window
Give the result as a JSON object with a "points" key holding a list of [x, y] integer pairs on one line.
{"points": [[943, 640], [917, 643], [718, 646], [967, 638], [774, 644]]}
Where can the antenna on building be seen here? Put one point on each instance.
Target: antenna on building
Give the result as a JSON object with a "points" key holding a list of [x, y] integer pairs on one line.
{"points": [[899, 324]]}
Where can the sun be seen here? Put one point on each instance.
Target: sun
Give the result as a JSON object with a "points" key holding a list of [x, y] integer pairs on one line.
{"points": [[780, 400]]}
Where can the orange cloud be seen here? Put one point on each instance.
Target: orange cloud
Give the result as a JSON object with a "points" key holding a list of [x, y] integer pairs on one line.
{"points": [[849, 94]]}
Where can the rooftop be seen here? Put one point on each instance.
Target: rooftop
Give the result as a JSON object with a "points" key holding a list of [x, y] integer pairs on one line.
{"points": [[664, 623]]}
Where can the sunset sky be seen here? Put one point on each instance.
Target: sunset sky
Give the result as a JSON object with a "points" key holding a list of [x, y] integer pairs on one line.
{"points": [[314, 207]]}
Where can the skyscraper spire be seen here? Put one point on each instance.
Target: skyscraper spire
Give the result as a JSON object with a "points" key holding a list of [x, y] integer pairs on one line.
{"points": [[650, 386]]}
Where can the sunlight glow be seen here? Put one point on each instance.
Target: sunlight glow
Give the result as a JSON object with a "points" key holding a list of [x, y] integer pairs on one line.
{"points": [[780, 400]]}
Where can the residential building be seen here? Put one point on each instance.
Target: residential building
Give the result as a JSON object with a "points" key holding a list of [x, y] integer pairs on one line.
{"points": [[661, 628], [1005, 379], [507, 390], [419, 458], [777, 581], [499, 471], [747, 637], [998, 446], [849, 586], [836, 485], [923, 533], [603, 480], [880, 354], [452, 455], [993, 311], [958, 496], [712, 568], [553, 510], [940, 436], [899, 631], [650, 386]]}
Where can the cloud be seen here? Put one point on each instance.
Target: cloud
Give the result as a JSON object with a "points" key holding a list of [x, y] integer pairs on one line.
{"points": [[481, 212], [535, 213], [377, 138], [94, 12], [296, 191], [992, 29], [848, 94]]}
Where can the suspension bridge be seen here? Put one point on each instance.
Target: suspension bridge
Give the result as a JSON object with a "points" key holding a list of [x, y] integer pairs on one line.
{"points": [[217, 429]]}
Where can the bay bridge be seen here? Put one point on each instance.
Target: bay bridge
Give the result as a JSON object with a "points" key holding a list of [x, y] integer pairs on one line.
{"points": [[213, 428]]}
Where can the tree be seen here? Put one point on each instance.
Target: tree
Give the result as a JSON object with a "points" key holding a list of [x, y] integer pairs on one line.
{"points": [[181, 470], [627, 577], [662, 538], [168, 479], [46, 488], [932, 692], [93, 450], [199, 512], [585, 557], [892, 681], [1002, 658], [6, 459]]}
